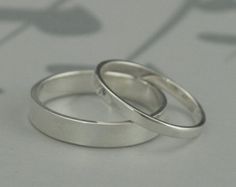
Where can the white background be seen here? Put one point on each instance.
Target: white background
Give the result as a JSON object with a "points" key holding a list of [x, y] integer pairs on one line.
{"points": [[193, 41]]}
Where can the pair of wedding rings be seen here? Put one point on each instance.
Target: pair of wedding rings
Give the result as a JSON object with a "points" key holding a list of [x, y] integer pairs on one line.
{"points": [[124, 85]]}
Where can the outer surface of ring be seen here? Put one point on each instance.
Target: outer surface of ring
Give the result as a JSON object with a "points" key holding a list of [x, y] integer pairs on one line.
{"points": [[158, 80], [78, 131]]}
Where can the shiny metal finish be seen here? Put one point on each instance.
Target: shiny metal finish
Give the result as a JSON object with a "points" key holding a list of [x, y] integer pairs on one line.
{"points": [[114, 67], [87, 132]]}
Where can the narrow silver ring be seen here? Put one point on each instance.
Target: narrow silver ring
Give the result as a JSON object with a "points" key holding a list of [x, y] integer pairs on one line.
{"points": [[87, 132], [155, 79]]}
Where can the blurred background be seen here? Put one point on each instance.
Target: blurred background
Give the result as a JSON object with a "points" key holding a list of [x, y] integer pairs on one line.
{"points": [[192, 41]]}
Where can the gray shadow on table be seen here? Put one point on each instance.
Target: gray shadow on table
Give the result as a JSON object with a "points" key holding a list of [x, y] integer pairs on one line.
{"points": [[216, 5], [211, 6], [164, 30], [54, 20], [215, 37], [218, 38], [59, 68]]}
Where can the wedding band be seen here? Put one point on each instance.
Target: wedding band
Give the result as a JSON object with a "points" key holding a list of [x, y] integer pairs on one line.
{"points": [[155, 79], [88, 132]]}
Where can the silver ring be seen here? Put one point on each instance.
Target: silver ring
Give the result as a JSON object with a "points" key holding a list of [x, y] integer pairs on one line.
{"points": [[157, 80], [87, 132]]}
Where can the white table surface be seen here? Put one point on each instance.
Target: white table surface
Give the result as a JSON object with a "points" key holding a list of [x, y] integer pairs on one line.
{"points": [[193, 41]]}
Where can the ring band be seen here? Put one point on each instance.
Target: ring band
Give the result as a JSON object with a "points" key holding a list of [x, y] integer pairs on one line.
{"points": [[157, 80], [86, 132]]}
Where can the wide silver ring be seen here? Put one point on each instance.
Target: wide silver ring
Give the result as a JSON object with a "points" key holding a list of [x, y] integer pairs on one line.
{"points": [[155, 79], [87, 132]]}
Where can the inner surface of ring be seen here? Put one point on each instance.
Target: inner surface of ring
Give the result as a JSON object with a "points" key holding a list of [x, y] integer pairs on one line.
{"points": [[73, 83], [157, 80]]}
